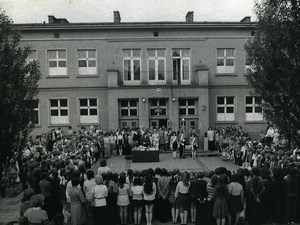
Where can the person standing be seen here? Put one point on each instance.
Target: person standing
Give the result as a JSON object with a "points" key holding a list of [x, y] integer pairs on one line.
{"points": [[123, 197], [182, 197], [211, 139], [149, 193], [99, 194], [137, 199], [182, 142], [220, 210], [193, 144], [107, 150], [163, 188], [173, 144], [201, 197]]}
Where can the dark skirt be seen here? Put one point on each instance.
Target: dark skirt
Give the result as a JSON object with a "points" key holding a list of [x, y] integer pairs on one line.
{"points": [[183, 201], [220, 209], [137, 203], [235, 204]]}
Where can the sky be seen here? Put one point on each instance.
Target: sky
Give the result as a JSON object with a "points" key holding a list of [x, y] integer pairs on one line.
{"points": [[37, 11]]}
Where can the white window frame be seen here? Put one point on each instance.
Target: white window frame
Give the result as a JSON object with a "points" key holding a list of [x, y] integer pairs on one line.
{"points": [[254, 116], [128, 107], [58, 70], [88, 119], [182, 59], [88, 70], [156, 59], [226, 69], [158, 106], [187, 107], [58, 120], [226, 117], [131, 59]]}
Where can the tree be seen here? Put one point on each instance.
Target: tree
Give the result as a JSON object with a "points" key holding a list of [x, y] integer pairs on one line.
{"points": [[18, 88], [275, 54]]}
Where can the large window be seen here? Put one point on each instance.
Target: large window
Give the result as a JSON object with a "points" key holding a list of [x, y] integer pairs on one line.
{"points": [[181, 66], [225, 108], [187, 107], [33, 109], [87, 63], [88, 108], [59, 111], [156, 66], [253, 108], [57, 62], [132, 66], [158, 107], [128, 107], [225, 60]]}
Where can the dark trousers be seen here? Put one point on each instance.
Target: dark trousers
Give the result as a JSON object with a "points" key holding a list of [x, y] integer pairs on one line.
{"points": [[163, 210], [201, 213], [100, 215], [181, 151]]}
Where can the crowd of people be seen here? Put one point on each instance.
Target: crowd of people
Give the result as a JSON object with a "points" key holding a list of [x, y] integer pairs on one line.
{"points": [[61, 184]]}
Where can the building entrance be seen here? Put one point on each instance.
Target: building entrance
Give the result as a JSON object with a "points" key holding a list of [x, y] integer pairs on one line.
{"points": [[157, 123]]}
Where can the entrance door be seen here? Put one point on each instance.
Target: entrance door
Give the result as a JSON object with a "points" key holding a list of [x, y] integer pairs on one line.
{"points": [[187, 125], [163, 122]]}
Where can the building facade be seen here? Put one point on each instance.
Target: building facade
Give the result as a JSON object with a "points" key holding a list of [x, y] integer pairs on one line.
{"points": [[172, 74]]}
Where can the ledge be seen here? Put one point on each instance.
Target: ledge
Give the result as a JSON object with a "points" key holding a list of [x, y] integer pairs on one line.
{"points": [[60, 76], [88, 76], [255, 122], [226, 122], [226, 74], [59, 125]]}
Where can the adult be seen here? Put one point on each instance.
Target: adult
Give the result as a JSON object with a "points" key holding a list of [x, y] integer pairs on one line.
{"points": [[173, 144], [100, 193], [220, 210], [163, 189], [211, 139], [26, 204], [77, 200], [201, 197], [103, 167]]}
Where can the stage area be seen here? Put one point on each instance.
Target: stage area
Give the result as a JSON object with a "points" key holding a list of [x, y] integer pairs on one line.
{"points": [[119, 163]]}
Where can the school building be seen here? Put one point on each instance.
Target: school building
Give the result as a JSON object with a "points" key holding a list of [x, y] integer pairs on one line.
{"points": [[143, 74]]}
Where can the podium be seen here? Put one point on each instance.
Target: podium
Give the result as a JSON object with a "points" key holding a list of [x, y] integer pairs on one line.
{"points": [[145, 155]]}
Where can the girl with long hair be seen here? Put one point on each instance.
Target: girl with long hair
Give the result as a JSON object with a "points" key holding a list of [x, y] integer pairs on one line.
{"points": [[182, 197], [137, 199], [123, 198], [149, 192]]}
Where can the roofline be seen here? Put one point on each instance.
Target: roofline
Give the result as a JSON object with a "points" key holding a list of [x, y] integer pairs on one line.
{"points": [[140, 25]]}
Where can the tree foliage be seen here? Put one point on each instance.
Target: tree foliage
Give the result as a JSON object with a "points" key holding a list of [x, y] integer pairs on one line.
{"points": [[18, 87], [275, 53]]}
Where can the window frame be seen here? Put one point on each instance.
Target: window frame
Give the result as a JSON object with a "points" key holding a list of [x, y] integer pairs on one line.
{"points": [[131, 59], [158, 105], [225, 105], [226, 69], [87, 71], [88, 107], [59, 108], [36, 109], [187, 107], [156, 59], [128, 107], [253, 117], [181, 58], [61, 71]]}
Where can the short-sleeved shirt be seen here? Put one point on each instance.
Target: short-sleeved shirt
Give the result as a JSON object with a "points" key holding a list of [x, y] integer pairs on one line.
{"points": [[36, 215], [100, 193], [235, 188]]}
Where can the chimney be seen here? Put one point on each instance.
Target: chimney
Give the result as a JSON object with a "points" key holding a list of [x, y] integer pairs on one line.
{"points": [[51, 19], [117, 17], [246, 19], [189, 18]]}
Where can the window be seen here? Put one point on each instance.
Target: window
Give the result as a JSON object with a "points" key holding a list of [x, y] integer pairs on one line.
{"points": [[32, 56], [87, 63], [158, 107], [156, 66], [88, 110], [33, 112], [187, 107], [59, 111], [57, 62], [253, 108], [181, 66], [248, 63], [132, 66], [128, 108], [225, 60], [225, 108]]}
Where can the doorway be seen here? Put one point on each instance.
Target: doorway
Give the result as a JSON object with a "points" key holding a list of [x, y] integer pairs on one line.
{"points": [[157, 123]]}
